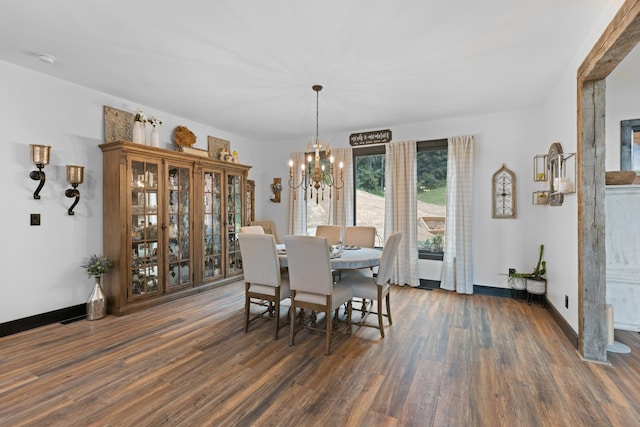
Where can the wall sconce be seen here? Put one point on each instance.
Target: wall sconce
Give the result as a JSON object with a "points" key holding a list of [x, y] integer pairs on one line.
{"points": [[39, 157], [75, 176], [276, 189]]}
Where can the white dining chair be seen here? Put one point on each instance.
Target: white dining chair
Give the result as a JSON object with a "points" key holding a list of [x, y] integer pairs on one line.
{"points": [[312, 286], [361, 235], [333, 233], [269, 227], [252, 229], [262, 276], [368, 287]]}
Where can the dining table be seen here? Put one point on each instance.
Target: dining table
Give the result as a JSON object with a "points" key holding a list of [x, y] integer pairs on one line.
{"points": [[351, 257]]}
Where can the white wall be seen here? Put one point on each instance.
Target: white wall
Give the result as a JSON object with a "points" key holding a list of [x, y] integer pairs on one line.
{"points": [[622, 103], [512, 138], [41, 265], [507, 138], [558, 226]]}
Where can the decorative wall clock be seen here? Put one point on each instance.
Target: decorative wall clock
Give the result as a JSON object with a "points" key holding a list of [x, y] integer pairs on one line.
{"points": [[504, 193]]}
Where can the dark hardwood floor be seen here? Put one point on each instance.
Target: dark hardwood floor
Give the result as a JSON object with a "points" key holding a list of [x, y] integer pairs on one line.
{"points": [[448, 360]]}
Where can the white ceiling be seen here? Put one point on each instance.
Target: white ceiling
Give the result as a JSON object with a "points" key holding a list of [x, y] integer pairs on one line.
{"points": [[247, 66]]}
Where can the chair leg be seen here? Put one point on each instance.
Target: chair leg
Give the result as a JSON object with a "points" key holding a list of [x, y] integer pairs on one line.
{"points": [[271, 309], [380, 324], [328, 332], [292, 320], [349, 313], [276, 321], [388, 299], [247, 307]]}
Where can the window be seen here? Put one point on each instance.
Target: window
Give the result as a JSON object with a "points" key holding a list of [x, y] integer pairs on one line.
{"points": [[432, 197], [369, 166], [369, 172]]}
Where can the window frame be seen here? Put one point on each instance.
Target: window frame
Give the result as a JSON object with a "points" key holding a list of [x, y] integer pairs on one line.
{"points": [[426, 145]]}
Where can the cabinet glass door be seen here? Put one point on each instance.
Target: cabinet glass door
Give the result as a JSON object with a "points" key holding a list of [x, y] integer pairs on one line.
{"points": [[179, 245], [251, 196], [235, 196], [212, 222], [144, 229]]}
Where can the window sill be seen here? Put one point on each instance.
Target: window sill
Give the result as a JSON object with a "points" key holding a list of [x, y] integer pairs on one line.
{"points": [[436, 256]]}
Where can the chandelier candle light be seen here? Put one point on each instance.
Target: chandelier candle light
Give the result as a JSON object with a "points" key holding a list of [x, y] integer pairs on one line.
{"points": [[314, 175]]}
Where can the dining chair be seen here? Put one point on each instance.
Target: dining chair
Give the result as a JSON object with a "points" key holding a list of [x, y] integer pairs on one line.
{"points": [[269, 227], [361, 235], [263, 280], [368, 287], [312, 286], [333, 233], [253, 229]]}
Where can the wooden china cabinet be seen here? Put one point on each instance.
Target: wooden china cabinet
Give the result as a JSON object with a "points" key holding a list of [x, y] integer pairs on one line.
{"points": [[251, 201], [170, 224]]}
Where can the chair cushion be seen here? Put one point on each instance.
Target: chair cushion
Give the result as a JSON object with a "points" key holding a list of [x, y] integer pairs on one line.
{"points": [[367, 290], [362, 283], [263, 289], [341, 294], [362, 272], [285, 291]]}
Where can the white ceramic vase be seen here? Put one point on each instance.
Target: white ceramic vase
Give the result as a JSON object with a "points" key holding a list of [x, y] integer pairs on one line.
{"points": [[138, 134], [154, 137]]}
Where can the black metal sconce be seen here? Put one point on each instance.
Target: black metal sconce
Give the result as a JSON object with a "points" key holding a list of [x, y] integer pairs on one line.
{"points": [[75, 176], [39, 157]]}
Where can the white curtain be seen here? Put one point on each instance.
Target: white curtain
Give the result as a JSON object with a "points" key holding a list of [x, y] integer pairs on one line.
{"points": [[401, 209], [457, 266], [342, 205], [297, 203]]}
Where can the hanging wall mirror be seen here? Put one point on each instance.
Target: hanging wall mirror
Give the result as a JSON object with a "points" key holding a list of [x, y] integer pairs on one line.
{"points": [[630, 145]]}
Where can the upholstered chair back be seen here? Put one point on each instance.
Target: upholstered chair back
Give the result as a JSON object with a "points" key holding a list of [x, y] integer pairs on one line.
{"points": [[309, 264]]}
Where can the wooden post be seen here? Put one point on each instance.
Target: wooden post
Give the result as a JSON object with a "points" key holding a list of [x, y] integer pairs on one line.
{"points": [[618, 39]]}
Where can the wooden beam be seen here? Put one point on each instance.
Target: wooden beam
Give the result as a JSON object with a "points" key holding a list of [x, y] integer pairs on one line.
{"points": [[592, 340], [618, 39]]}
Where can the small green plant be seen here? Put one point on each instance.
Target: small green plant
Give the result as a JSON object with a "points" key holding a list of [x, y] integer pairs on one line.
{"points": [[434, 243], [537, 273], [97, 265]]}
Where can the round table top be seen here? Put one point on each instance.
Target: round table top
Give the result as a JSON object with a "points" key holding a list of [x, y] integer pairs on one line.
{"points": [[348, 259]]}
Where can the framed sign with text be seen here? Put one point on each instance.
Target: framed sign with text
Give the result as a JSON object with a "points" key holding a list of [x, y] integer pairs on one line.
{"points": [[372, 137]]}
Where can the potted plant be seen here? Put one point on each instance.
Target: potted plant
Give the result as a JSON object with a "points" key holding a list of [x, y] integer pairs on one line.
{"points": [[96, 266], [535, 283], [434, 243]]}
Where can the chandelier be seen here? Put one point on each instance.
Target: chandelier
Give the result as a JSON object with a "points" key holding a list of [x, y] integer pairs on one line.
{"points": [[314, 176]]}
